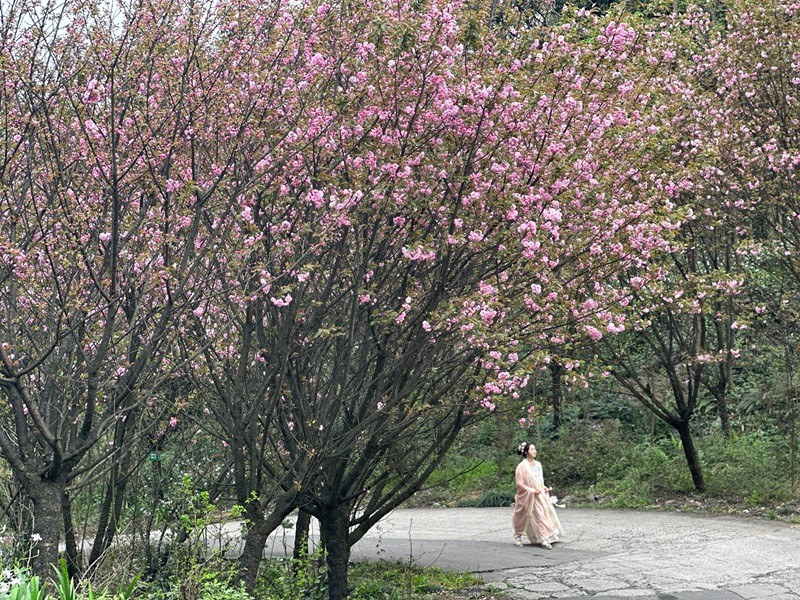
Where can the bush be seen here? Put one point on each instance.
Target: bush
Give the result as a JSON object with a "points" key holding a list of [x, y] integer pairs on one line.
{"points": [[219, 590], [582, 454], [749, 467], [289, 579], [642, 473], [490, 498]]}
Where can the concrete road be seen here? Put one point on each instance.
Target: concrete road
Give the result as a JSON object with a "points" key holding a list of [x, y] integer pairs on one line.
{"points": [[608, 554]]}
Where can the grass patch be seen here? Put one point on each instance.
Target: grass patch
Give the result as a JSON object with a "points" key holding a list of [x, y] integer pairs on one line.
{"points": [[396, 580], [285, 579]]}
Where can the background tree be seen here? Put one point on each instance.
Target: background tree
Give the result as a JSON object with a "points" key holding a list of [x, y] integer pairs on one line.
{"points": [[747, 83]]}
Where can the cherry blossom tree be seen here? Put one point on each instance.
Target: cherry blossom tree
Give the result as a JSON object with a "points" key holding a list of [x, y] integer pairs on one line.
{"points": [[733, 79], [338, 221], [127, 154], [746, 74], [460, 197]]}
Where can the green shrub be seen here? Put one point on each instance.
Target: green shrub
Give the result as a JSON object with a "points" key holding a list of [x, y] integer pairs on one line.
{"points": [[460, 474], [219, 590], [582, 453], [290, 579], [490, 498], [748, 467]]}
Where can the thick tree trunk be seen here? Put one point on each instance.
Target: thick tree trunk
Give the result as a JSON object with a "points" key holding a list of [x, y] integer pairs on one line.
{"points": [[334, 529], [252, 553], [46, 497], [256, 539], [691, 455]]}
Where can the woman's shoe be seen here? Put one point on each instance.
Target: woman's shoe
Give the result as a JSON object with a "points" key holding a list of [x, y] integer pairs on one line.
{"points": [[518, 540], [546, 544]]}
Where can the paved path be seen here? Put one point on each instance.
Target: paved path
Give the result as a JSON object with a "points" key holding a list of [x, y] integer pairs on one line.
{"points": [[608, 553]]}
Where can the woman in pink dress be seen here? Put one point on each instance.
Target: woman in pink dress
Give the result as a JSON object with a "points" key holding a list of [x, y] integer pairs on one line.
{"points": [[534, 513]]}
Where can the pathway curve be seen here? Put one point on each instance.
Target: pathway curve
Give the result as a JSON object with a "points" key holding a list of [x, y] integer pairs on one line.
{"points": [[608, 553]]}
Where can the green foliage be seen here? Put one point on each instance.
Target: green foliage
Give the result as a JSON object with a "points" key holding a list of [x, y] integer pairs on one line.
{"points": [[581, 454], [289, 579], [394, 580], [126, 591], [63, 582], [30, 588], [745, 469], [198, 509], [490, 498], [219, 590], [190, 573], [27, 589], [211, 579], [752, 466], [618, 464], [464, 473]]}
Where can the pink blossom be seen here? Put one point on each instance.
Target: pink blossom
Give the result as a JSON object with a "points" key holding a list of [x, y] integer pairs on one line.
{"points": [[593, 332], [281, 302]]}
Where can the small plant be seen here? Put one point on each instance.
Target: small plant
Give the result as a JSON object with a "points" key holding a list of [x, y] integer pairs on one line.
{"points": [[123, 593], [8, 580], [126, 591], [28, 589], [63, 582]]}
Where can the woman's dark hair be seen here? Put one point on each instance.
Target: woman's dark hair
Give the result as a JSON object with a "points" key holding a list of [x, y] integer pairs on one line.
{"points": [[522, 449]]}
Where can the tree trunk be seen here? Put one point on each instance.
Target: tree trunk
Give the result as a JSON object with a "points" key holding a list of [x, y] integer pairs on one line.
{"points": [[301, 535], [252, 553], [793, 445], [691, 455], [73, 555], [557, 395], [256, 538], [724, 415], [334, 529], [99, 547], [46, 497], [720, 392]]}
